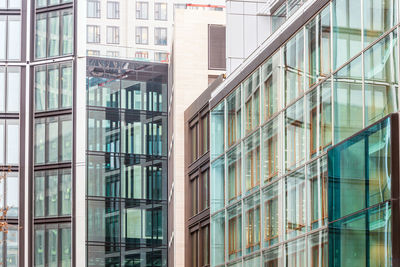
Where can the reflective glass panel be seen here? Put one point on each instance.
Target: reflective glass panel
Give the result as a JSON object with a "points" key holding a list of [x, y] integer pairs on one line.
{"points": [[295, 135], [234, 174], [294, 67], [217, 128], [271, 75], [217, 184], [295, 202], [217, 235]]}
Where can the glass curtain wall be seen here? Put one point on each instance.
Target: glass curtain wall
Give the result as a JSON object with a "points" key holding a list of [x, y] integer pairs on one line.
{"points": [[52, 132], [127, 166], [12, 69], [337, 75]]}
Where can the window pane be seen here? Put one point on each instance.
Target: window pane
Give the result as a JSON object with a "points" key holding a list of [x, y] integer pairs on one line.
{"points": [[271, 150], [234, 232], [2, 87], [13, 88], [66, 140], [39, 194], [41, 3], [52, 247], [40, 88], [2, 142], [12, 246], [379, 16], [252, 223], [381, 79], [346, 30], [12, 142], [295, 253], [40, 142], [217, 184], [67, 32], [217, 125], [66, 86], [217, 246], [294, 67], [66, 246], [53, 141], [234, 127], [3, 37], [252, 162], [54, 31], [294, 132], [52, 194], [348, 108], [14, 38], [53, 84], [273, 217], [271, 72], [14, 4], [39, 247], [318, 249], [295, 192], [234, 173], [41, 32], [12, 194], [66, 193]]}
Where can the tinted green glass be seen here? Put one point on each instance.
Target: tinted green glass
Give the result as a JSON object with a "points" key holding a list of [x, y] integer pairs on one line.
{"points": [[217, 239], [271, 76], [295, 135], [217, 126], [295, 199], [359, 171], [294, 67], [234, 173], [363, 239], [40, 36]]}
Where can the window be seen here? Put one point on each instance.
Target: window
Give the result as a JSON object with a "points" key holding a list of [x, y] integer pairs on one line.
{"points": [[252, 223], [194, 142], [294, 135], [199, 246], [379, 16], [320, 119], [112, 53], [9, 246], [93, 9], [53, 87], [92, 52], [235, 232], [53, 194], [204, 134], [194, 248], [205, 190], [194, 192], [217, 239], [318, 249], [142, 10], [160, 11], [142, 35], [54, 34], [93, 34], [317, 175], [218, 125], [294, 67], [10, 86], [44, 3], [271, 72], [318, 48], [161, 57], [234, 109], [112, 35], [234, 174], [252, 162], [252, 101], [9, 142], [160, 36], [9, 194], [10, 4], [271, 139], [53, 140], [112, 10], [10, 37], [272, 214], [142, 54], [217, 184], [52, 244], [295, 191], [296, 253]]}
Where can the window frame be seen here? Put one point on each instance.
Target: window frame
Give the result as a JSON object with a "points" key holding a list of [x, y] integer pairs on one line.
{"points": [[96, 34], [139, 10], [139, 30], [113, 35], [97, 9], [158, 11], [158, 34], [114, 13]]}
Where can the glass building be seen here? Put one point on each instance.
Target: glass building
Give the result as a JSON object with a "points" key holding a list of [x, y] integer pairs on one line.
{"points": [[126, 194], [290, 184]]}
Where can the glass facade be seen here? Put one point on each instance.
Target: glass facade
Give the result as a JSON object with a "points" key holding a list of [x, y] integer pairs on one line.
{"points": [[52, 178], [337, 75], [127, 164]]}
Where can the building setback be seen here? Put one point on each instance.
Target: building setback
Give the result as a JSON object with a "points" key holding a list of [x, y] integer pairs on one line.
{"points": [[198, 58], [304, 141]]}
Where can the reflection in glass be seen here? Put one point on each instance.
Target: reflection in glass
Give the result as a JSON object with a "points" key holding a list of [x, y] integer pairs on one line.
{"points": [[234, 174], [252, 223], [295, 198], [217, 243], [252, 166], [217, 184], [14, 38], [235, 232], [271, 72], [294, 67], [296, 253], [272, 222], [381, 79], [217, 124], [317, 175], [271, 149], [234, 116], [13, 88], [294, 132]]}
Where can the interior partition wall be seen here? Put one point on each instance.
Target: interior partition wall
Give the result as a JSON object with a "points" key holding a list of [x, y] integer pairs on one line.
{"points": [[126, 163]]}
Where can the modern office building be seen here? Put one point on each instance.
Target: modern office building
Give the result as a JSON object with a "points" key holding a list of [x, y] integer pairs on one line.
{"points": [[140, 30], [303, 151], [198, 58], [126, 163]]}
